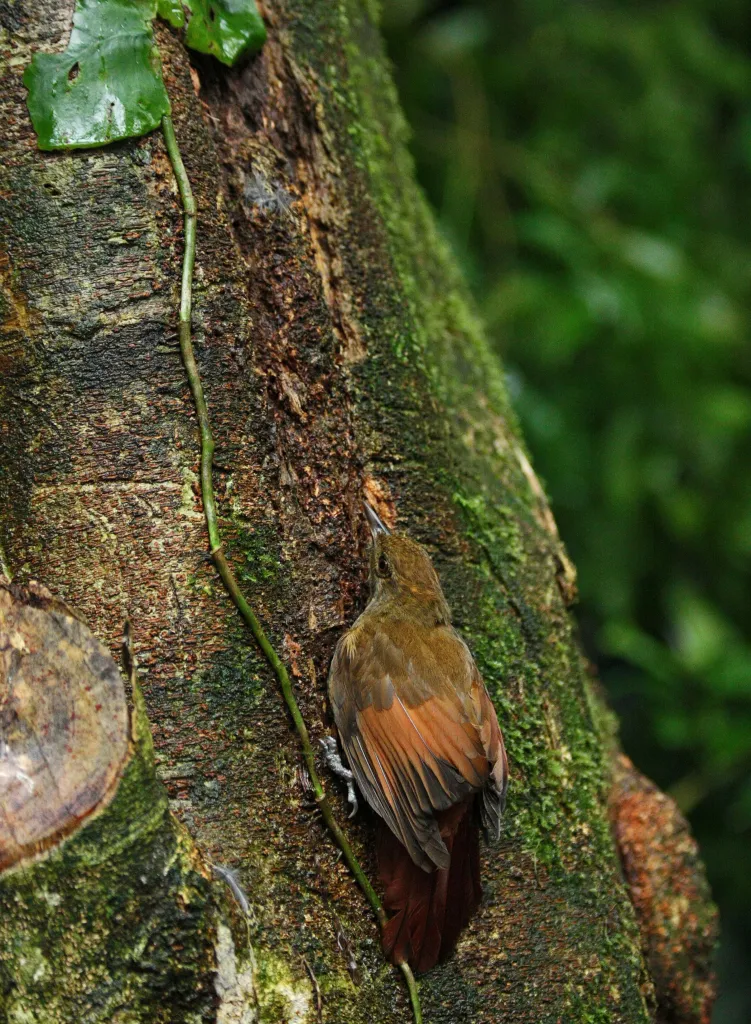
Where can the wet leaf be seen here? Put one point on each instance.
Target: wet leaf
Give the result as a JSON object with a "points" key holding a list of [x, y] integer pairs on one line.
{"points": [[106, 86], [171, 11], [227, 29]]}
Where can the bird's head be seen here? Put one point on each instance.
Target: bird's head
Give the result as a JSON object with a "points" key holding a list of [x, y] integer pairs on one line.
{"points": [[402, 573]]}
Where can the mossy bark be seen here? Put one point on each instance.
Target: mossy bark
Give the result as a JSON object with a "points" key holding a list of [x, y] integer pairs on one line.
{"points": [[340, 357], [109, 913], [116, 924]]}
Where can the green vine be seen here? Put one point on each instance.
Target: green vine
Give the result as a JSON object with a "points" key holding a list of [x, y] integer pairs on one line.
{"points": [[223, 567]]}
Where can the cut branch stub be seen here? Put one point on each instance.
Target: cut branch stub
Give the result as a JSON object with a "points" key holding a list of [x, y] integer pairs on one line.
{"points": [[64, 731]]}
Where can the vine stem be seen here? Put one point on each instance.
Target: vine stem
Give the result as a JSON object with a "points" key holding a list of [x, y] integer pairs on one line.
{"points": [[221, 563]]}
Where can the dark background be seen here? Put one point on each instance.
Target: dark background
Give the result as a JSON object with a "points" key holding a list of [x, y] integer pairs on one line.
{"points": [[590, 164]]}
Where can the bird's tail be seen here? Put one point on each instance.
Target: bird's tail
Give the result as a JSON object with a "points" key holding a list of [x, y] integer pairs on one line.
{"points": [[430, 908]]}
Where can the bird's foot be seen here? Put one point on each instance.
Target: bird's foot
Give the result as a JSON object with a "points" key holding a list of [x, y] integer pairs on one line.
{"points": [[334, 761]]}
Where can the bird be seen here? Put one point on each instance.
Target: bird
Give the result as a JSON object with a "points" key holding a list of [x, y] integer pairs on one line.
{"points": [[422, 739]]}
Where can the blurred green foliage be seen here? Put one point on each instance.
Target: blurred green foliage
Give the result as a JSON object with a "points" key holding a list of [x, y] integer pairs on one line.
{"points": [[590, 163]]}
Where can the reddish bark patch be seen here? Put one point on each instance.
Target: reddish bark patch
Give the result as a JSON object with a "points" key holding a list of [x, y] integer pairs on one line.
{"points": [[669, 890]]}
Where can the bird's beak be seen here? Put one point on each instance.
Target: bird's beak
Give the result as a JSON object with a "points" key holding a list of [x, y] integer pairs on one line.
{"points": [[374, 521]]}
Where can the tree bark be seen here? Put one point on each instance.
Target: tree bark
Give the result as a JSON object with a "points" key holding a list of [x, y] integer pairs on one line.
{"points": [[120, 918], [341, 359]]}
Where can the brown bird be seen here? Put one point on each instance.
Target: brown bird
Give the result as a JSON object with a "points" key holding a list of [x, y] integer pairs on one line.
{"points": [[421, 736]]}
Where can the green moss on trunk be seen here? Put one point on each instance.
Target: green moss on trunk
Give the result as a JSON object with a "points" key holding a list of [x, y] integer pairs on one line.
{"points": [[117, 923]]}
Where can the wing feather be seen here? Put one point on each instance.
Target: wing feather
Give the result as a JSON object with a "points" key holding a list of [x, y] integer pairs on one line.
{"points": [[418, 742]]}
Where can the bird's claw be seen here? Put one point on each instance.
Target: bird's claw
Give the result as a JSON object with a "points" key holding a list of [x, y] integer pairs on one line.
{"points": [[333, 759], [352, 799], [329, 747]]}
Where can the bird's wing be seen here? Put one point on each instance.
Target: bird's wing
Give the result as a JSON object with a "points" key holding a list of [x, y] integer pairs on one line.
{"points": [[494, 790], [419, 730]]}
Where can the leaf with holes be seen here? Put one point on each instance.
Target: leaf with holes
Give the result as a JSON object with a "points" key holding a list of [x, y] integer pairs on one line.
{"points": [[106, 86], [227, 29]]}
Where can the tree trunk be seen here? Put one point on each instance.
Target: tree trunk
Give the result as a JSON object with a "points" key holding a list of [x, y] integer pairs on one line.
{"points": [[341, 359]]}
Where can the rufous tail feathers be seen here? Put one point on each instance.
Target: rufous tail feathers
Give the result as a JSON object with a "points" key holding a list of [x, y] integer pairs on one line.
{"points": [[430, 908]]}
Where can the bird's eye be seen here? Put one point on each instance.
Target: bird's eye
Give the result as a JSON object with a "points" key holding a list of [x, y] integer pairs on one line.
{"points": [[384, 569]]}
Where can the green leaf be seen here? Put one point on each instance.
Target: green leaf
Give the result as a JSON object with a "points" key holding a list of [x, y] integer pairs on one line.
{"points": [[171, 11], [106, 86], [227, 29]]}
